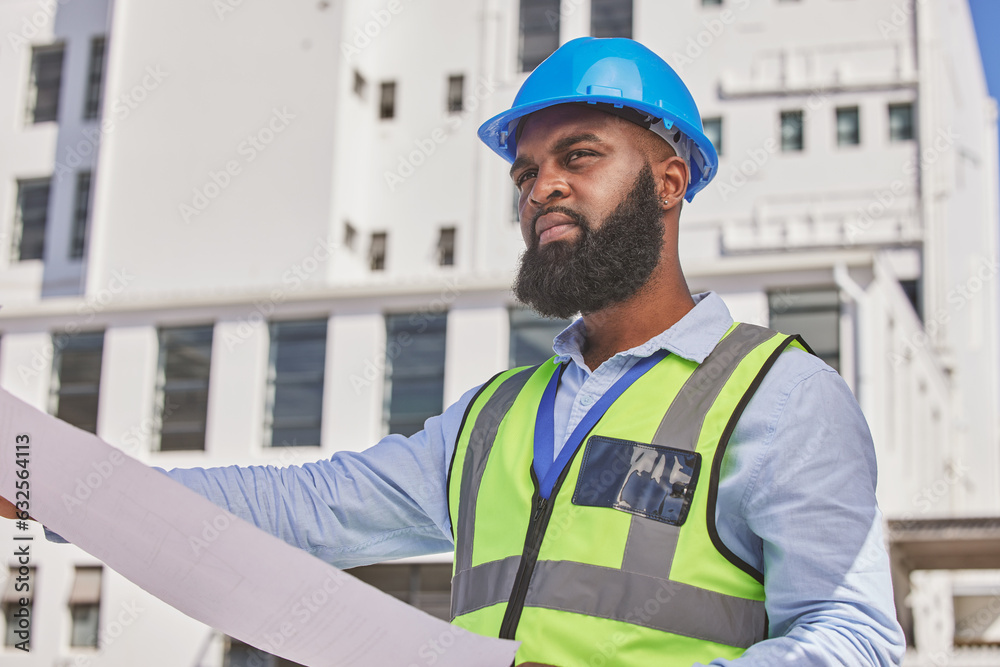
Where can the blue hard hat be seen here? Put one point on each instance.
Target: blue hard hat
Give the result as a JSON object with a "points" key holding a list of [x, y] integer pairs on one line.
{"points": [[621, 73]]}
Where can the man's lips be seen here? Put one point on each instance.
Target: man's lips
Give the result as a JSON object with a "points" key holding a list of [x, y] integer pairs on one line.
{"points": [[552, 226]]}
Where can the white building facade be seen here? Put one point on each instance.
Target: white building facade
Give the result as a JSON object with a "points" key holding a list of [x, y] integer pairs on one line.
{"points": [[276, 236]]}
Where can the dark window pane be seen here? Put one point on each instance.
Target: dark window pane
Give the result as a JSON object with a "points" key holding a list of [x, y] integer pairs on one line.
{"points": [[295, 383], [901, 122], [387, 100], [713, 130], [446, 247], [791, 131], [376, 254], [46, 79], [185, 363], [95, 79], [848, 126], [426, 586], [76, 379], [539, 31], [32, 214], [531, 337], [456, 85], [611, 18], [84, 630], [415, 352], [81, 215], [814, 314]]}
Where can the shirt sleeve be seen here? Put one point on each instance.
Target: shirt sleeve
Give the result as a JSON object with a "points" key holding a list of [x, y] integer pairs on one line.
{"points": [[811, 510], [355, 508]]}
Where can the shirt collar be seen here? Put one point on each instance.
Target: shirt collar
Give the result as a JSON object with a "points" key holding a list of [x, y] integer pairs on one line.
{"points": [[692, 337]]}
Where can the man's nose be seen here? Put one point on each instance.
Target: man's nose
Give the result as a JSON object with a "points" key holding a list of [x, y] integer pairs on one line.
{"points": [[549, 185]]}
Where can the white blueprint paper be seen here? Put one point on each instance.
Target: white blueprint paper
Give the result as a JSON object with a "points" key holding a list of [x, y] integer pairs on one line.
{"points": [[216, 567]]}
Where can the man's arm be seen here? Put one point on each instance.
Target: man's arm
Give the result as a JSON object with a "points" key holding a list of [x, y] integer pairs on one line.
{"points": [[811, 522], [355, 508]]}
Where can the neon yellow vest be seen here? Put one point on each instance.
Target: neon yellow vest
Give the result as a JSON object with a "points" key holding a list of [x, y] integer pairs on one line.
{"points": [[622, 580]]}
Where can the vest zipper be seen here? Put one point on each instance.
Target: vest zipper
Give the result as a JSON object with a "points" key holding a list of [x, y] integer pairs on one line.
{"points": [[532, 545]]}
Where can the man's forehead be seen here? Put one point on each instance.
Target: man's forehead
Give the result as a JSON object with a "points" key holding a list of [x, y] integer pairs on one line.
{"points": [[553, 124]]}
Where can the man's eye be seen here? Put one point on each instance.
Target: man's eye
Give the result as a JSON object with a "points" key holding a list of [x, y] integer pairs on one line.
{"points": [[577, 154], [524, 176]]}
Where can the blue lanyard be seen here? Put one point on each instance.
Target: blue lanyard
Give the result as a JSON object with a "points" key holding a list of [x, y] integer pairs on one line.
{"points": [[546, 469]]}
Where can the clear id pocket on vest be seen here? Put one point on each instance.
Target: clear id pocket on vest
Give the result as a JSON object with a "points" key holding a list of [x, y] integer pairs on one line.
{"points": [[653, 481]]}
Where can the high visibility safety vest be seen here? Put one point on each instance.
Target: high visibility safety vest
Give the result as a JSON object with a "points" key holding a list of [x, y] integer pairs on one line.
{"points": [[622, 564]]}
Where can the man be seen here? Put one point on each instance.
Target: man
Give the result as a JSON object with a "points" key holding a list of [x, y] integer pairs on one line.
{"points": [[673, 489]]}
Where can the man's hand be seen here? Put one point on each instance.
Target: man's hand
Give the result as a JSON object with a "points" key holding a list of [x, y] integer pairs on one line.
{"points": [[7, 509]]}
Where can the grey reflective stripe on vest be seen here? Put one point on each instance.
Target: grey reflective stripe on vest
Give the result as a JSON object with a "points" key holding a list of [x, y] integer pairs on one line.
{"points": [[651, 544], [483, 585], [605, 592], [684, 418], [655, 603], [481, 440]]}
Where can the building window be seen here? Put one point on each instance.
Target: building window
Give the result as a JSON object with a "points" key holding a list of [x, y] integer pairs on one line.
{"points": [[81, 216], [182, 387], [46, 79], [426, 586], [901, 122], [350, 236], [85, 606], [446, 247], [713, 130], [239, 654], [611, 18], [95, 79], [376, 253], [31, 216], [848, 126], [295, 374], [539, 32], [791, 131], [531, 337], [360, 85], [76, 380], [18, 618], [456, 91], [414, 370], [815, 314], [387, 100]]}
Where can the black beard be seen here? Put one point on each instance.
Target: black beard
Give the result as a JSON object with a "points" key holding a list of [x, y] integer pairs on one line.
{"points": [[604, 266]]}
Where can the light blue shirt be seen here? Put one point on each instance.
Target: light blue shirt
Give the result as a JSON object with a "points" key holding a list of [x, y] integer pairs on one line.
{"points": [[796, 496]]}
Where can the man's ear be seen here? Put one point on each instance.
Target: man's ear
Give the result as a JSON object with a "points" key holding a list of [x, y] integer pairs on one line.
{"points": [[671, 175]]}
